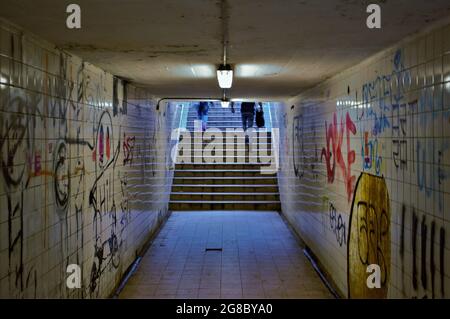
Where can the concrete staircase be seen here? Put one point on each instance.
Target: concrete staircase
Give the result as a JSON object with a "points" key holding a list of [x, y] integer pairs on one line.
{"points": [[235, 180]]}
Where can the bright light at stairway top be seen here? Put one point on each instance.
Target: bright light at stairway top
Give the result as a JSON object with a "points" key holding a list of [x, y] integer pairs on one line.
{"points": [[225, 78], [225, 104]]}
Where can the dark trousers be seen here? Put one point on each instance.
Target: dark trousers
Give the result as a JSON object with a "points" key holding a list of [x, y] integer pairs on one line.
{"points": [[247, 120]]}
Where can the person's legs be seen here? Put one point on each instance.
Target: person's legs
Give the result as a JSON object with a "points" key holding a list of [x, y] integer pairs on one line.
{"points": [[204, 121], [247, 122], [244, 121], [250, 119], [199, 111]]}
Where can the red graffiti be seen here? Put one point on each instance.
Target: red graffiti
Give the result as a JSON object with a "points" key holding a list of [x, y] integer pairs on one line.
{"points": [[333, 156]]}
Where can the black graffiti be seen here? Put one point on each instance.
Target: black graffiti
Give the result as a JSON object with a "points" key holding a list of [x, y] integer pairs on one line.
{"points": [[15, 239], [298, 146], [432, 264], [62, 177], [427, 254], [441, 258], [14, 140], [400, 144], [423, 266], [128, 147], [373, 230], [106, 250], [337, 225], [17, 128], [154, 142], [399, 153], [414, 249], [115, 96]]}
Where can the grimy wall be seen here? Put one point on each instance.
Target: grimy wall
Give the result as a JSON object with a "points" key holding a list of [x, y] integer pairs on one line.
{"points": [[365, 175], [84, 171]]}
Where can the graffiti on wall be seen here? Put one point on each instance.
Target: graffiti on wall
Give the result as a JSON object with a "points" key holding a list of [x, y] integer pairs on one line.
{"points": [[102, 200], [333, 151], [298, 146], [46, 147], [427, 247], [337, 225], [371, 153], [384, 107], [369, 236], [305, 154], [128, 149], [402, 137]]}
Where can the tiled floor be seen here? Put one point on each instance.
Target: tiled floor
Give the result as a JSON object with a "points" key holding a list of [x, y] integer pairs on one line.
{"points": [[260, 258]]}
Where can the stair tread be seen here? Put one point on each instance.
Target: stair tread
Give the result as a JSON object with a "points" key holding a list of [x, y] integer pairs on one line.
{"points": [[234, 163], [224, 193], [225, 202], [224, 177], [226, 185], [237, 144], [217, 170]]}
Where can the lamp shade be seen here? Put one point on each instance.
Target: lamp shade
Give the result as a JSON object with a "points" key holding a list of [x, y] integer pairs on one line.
{"points": [[225, 76]]}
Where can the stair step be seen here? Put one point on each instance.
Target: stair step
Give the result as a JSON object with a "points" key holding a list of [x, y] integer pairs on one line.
{"points": [[241, 165], [218, 110], [219, 170], [224, 196], [224, 205], [227, 161], [208, 180], [217, 116], [219, 173], [221, 121], [228, 146], [226, 150], [241, 144], [244, 194], [223, 130], [224, 188], [256, 159], [225, 202]]}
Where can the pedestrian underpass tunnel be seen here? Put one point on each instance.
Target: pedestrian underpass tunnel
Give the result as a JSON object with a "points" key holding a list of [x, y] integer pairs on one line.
{"points": [[322, 172]]}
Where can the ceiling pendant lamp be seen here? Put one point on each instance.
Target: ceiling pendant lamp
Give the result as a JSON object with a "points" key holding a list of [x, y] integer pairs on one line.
{"points": [[225, 76], [224, 70]]}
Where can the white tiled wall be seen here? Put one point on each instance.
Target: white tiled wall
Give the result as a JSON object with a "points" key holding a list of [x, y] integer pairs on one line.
{"points": [[394, 113], [84, 173]]}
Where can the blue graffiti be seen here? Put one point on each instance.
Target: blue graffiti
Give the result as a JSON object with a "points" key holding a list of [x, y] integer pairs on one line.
{"points": [[392, 86], [430, 177], [370, 156], [380, 122]]}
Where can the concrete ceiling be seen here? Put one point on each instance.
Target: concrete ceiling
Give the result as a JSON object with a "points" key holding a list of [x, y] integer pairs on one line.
{"points": [[278, 48]]}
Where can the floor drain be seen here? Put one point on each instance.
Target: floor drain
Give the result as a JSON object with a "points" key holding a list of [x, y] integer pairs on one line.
{"points": [[213, 249]]}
